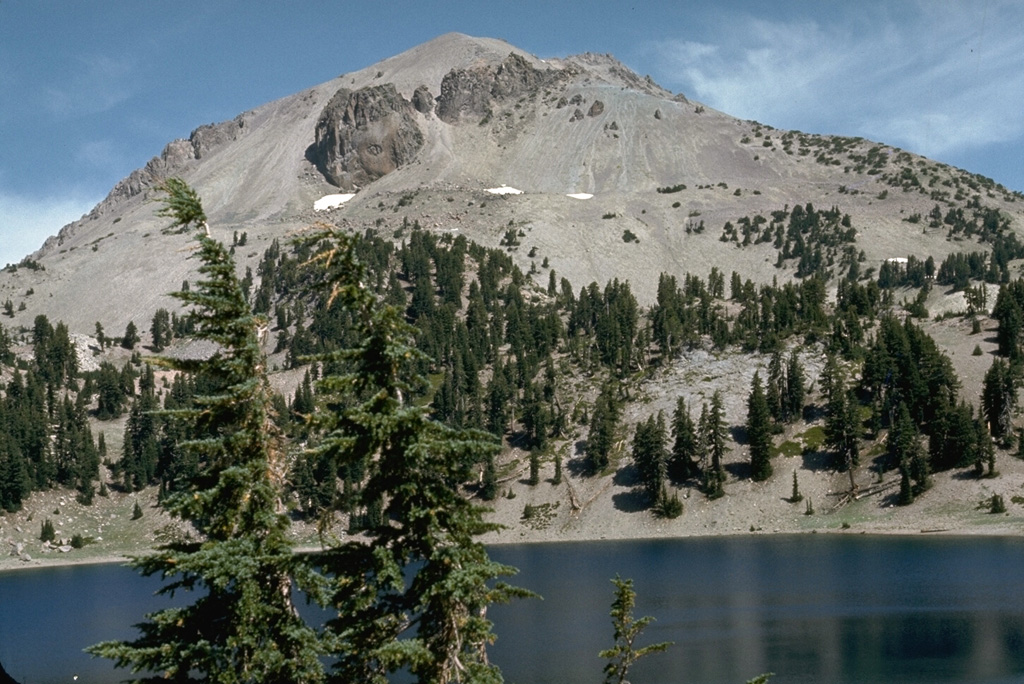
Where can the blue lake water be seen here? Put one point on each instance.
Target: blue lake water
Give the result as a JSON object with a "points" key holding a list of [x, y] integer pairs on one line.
{"points": [[811, 608]]}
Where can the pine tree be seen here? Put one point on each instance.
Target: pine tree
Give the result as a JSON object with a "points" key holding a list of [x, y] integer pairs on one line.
{"points": [[775, 390], [842, 418], [998, 398], [714, 436], [796, 496], [47, 532], [684, 459], [628, 629], [131, 336], [603, 424], [795, 391], [160, 330], [651, 456], [414, 594], [759, 432], [244, 626]]}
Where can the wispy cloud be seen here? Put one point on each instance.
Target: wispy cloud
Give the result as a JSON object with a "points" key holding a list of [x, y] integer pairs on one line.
{"points": [[97, 84], [932, 77], [26, 222]]}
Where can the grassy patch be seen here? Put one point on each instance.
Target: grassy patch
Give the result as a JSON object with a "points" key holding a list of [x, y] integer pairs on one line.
{"points": [[813, 438], [788, 448]]}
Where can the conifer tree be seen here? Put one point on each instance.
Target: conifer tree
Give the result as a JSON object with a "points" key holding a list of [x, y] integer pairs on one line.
{"points": [[651, 456], [131, 336], [775, 389], [714, 436], [683, 461], [244, 626], [796, 496], [999, 398], [795, 390], [415, 594], [759, 431], [625, 652], [603, 423]]}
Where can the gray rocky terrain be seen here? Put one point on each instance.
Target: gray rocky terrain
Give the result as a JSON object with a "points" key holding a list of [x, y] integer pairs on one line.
{"points": [[422, 135]]}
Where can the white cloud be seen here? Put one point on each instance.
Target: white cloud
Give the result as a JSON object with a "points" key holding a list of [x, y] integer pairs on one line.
{"points": [[100, 83], [25, 222], [935, 78]]}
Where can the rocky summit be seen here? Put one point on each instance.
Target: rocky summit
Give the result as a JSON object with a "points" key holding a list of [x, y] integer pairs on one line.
{"points": [[592, 167]]}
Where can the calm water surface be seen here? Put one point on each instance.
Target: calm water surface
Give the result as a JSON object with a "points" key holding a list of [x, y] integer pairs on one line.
{"points": [[810, 608]]}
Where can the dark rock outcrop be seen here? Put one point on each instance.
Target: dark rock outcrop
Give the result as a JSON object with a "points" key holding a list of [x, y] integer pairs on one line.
{"points": [[422, 100], [470, 92], [596, 109], [364, 134]]}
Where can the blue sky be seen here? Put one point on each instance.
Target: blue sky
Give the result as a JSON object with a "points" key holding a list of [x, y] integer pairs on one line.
{"points": [[93, 90]]}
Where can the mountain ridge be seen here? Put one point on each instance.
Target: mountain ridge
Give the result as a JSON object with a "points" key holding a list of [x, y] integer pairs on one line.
{"points": [[586, 124]]}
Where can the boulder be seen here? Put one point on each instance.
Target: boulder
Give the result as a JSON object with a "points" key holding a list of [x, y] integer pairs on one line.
{"points": [[364, 134], [596, 109], [422, 100]]}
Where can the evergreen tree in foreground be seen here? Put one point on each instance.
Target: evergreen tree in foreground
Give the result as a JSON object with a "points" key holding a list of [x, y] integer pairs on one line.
{"points": [[244, 626], [415, 594], [627, 629]]}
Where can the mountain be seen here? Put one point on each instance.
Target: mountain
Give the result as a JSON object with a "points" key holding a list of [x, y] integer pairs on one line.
{"points": [[879, 269], [420, 137]]}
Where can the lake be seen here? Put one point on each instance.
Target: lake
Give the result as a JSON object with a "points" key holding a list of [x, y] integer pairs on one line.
{"points": [[811, 608]]}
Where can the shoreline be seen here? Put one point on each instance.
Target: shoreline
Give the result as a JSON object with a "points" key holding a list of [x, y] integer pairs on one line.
{"points": [[13, 564], [585, 509]]}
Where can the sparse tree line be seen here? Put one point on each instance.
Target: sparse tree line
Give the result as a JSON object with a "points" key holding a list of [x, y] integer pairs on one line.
{"points": [[500, 350]]}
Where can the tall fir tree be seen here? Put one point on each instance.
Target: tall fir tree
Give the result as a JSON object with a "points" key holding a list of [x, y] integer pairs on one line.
{"points": [[714, 429], [759, 431], [415, 594], [604, 422], [244, 627], [684, 459], [651, 456]]}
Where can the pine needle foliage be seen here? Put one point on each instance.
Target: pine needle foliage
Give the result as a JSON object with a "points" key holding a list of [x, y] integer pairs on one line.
{"points": [[415, 594], [243, 627], [625, 653], [182, 205]]}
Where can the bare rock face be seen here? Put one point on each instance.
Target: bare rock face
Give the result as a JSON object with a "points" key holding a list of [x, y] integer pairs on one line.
{"points": [[469, 92], [596, 109], [422, 100], [364, 134], [175, 155]]}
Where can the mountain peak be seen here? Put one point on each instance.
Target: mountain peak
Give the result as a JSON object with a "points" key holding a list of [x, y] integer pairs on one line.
{"points": [[421, 136]]}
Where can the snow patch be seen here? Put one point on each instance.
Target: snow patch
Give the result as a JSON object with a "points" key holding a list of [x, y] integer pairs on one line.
{"points": [[579, 195], [504, 190], [331, 201]]}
